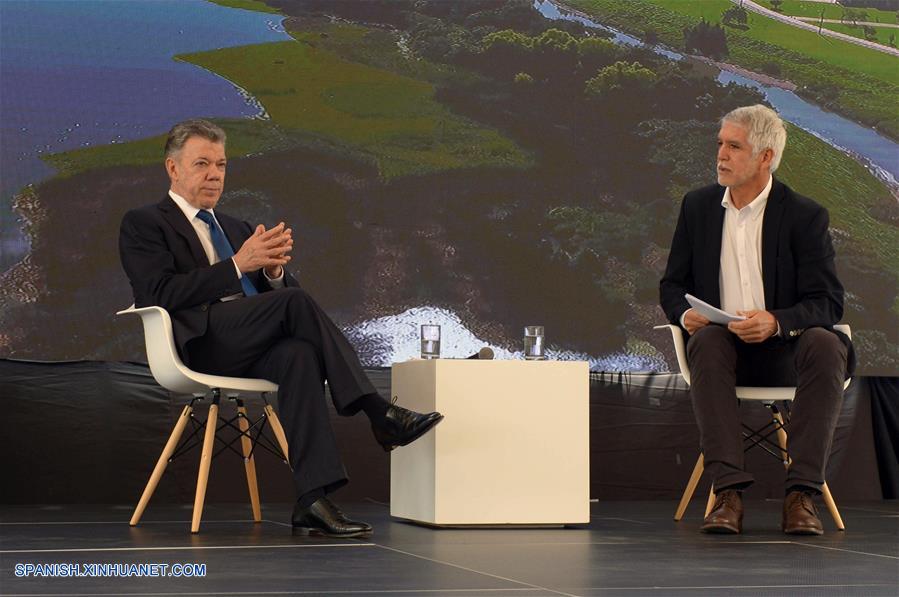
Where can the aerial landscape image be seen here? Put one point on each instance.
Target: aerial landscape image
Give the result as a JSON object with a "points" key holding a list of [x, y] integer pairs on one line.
{"points": [[480, 164]]}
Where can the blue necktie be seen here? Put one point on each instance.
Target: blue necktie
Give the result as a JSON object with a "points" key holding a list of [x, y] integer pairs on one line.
{"points": [[224, 249]]}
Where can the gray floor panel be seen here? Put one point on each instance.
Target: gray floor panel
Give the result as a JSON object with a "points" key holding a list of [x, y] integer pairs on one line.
{"points": [[629, 548]]}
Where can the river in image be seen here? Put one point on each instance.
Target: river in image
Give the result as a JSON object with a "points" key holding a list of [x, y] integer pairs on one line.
{"points": [[879, 154], [94, 72], [87, 73]]}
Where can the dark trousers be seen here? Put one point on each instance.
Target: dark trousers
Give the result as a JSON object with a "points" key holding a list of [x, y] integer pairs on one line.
{"points": [[815, 363], [285, 337]]}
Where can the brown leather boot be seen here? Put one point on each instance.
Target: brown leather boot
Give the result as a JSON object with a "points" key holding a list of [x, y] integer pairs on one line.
{"points": [[801, 515], [726, 515]]}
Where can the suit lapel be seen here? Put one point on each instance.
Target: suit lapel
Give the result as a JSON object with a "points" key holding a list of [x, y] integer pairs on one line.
{"points": [[716, 230], [770, 232], [175, 217]]}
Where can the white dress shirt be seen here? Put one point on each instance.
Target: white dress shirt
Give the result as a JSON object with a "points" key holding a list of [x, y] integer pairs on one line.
{"points": [[205, 236], [740, 277]]}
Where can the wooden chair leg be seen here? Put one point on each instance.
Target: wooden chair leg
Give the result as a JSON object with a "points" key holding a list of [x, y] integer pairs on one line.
{"points": [[161, 464], [690, 488], [711, 502], [825, 490], [249, 462], [205, 462], [277, 429], [781, 438], [832, 507]]}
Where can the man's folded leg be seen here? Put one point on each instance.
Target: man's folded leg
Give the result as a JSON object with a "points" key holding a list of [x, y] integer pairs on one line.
{"points": [[284, 336], [251, 324], [303, 410], [313, 454], [312, 447], [820, 367], [712, 355], [394, 426]]}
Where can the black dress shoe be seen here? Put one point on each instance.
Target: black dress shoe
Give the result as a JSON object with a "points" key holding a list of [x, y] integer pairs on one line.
{"points": [[324, 518], [401, 426]]}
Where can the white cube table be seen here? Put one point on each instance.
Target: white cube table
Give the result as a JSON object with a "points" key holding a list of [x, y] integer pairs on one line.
{"points": [[514, 448]]}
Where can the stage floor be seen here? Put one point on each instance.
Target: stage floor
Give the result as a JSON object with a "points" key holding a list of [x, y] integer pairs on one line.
{"points": [[629, 548]]}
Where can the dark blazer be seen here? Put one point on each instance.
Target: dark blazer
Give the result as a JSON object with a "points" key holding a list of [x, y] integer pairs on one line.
{"points": [[801, 285], [167, 267]]}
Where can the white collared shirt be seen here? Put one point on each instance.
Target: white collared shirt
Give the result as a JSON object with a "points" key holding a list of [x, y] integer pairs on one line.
{"points": [[740, 277], [205, 236]]}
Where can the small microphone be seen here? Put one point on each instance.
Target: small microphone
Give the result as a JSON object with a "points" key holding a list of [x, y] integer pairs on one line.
{"points": [[485, 354]]}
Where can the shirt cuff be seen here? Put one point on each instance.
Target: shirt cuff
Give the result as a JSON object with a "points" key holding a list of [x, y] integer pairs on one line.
{"points": [[237, 269], [275, 282], [682, 316]]}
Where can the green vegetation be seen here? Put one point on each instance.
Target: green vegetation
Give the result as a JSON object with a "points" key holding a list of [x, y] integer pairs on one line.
{"points": [[856, 81], [621, 76], [617, 134], [846, 189], [708, 39], [392, 118], [316, 98], [852, 195], [244, 137], [831, 11], [844, 55], [375, 47], [882, 34], [255, 5]]}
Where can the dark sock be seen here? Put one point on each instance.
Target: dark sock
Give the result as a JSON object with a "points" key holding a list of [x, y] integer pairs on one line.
{"points": [[375, 407], [309, 498], [737, 489], [803, 489]]}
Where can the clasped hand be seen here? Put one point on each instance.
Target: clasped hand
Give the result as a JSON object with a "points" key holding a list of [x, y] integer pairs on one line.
{"points": [[757, 327], [267, 249]]}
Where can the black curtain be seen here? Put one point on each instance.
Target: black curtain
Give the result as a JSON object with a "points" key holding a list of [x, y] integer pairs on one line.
{"points": [[885, 424]]}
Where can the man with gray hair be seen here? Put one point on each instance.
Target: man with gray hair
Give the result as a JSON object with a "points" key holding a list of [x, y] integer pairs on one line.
{"points": [[752, 246], [237, 311]]}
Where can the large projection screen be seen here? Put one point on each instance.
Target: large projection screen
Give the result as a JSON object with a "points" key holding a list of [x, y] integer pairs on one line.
{"points": [[480, 164]]}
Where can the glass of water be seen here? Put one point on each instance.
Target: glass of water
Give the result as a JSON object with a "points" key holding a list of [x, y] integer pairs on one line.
{"points": [[533, 343], [430, 341]]}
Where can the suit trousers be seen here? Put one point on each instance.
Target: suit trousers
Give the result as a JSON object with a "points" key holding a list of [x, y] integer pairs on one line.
{"points": [[719, 361], [284, 336]]}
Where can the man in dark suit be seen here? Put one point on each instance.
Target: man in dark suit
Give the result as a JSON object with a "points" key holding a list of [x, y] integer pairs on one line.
{"points": [[752, 246], [237, 311]]}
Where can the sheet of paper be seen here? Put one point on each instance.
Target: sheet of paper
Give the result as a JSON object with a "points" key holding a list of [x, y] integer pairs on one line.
{"points": [[713, 314]]}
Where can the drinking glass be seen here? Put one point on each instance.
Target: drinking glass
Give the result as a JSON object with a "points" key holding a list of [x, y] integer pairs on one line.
{"points": [[430, 341], [533, 343]]}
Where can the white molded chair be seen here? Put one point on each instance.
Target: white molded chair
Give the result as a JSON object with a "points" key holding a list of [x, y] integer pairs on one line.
{"points": [[769, 397], [172, 374]]}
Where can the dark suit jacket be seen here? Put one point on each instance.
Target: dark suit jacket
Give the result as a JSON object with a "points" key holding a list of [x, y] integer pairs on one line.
{"points": [[801, 285], [167, 267]]}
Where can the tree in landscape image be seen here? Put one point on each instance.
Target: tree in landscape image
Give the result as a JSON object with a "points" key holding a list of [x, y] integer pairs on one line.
{"points": [[706, 39], [442, 155], [735, 16]]}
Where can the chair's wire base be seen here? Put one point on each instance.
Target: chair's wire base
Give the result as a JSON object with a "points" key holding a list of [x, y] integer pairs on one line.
{"points": [[244, 427], [250, 433], [758, 438]]}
